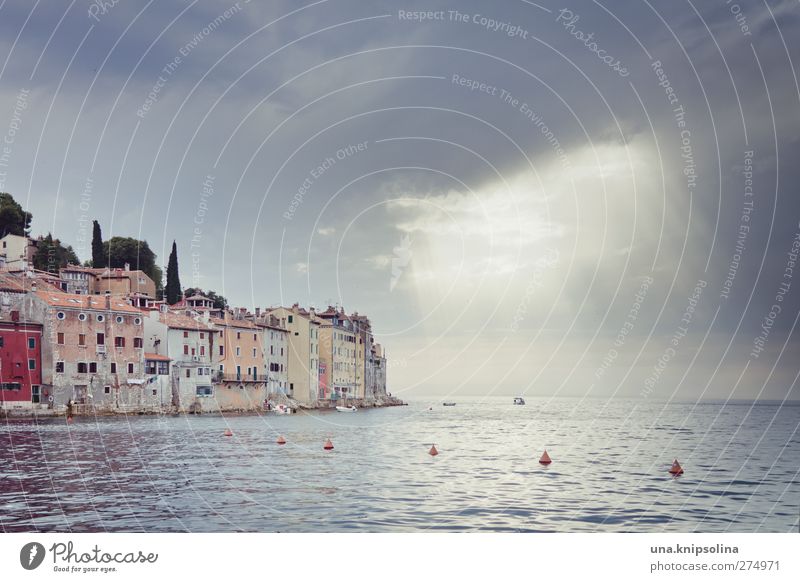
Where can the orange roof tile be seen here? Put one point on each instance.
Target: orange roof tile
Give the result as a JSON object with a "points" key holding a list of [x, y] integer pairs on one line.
{"points": [[157, 357]]}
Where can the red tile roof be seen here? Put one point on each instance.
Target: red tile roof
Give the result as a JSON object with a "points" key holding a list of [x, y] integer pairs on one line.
{"points": [[180, 321], [96, 302], [157, 357]]}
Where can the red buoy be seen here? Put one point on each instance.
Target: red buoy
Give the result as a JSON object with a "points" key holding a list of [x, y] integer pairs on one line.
{"points": [[228, 432], [545, 460], [281, 440], [433, 452], [328, 445], [676, 468]]}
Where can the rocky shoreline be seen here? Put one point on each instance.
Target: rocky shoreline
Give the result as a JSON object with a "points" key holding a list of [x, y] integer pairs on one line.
{"points": [[275, 402]]}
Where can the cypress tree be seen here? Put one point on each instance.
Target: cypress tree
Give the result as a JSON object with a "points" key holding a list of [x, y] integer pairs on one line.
{"points": [[173, 289], [98, 256]]}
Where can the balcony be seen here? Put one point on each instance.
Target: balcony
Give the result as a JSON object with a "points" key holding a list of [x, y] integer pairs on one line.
{"points": [[101, 349], [239, 378]]}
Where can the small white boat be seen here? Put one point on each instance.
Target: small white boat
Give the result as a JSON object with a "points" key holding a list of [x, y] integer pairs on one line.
{"points": [[346, 408], [448, 403], [282, 409], [519, 400]]}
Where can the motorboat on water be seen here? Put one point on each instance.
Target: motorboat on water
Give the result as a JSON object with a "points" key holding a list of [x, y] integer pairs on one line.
{"points": [[346, 408], [282, 409], [519, 400], [448, 403]]}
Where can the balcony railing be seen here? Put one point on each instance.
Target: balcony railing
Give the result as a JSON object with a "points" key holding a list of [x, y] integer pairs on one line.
{"points": [[241, 378]]}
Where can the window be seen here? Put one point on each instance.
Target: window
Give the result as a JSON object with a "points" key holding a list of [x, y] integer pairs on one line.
{"points": [[202, 335], [185, 334], [60, 339], [149, 367], [271, 350], [238, 335], [107, 389], [185, 349], [15, 386], [101, 339], [120, 319], [119, 342], [202, 350], [193, 350], [31, 364], [238, 351], [138, 342], [82, 368], [204, 391], [31, 343], [130, 368], [60, 315], [188, 372], [81, 339], [36, 394], [59, 367], [137, 321], [101, 318], [163, 368], [2, 342], [113, 367], [255, 337], [281, 351], [291, 318], [254, 352], [93, 367], [221, 350], [81, 317]]}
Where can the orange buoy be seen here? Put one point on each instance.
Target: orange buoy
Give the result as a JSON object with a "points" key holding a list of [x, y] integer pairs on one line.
{"points": [[281, 440], [433, 452], [545, 459], [328, 445], [228, 432], [676, 468]]}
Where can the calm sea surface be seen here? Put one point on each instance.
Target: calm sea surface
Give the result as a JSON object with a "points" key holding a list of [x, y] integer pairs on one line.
{"points": [[609, 470]]}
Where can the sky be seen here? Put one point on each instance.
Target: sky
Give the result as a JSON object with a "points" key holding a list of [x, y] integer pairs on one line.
{"points": [[590, 199]]}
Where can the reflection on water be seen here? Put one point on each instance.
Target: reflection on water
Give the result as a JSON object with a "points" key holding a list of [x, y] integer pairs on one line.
{"points": [[609, 471]]}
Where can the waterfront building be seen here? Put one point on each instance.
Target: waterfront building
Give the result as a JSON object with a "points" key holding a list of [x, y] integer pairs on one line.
{"points": [[377, 371], [303, 352], [21, 364], [338, 355], [276, 354], [179, 359], [92, 350], [240, 363]]}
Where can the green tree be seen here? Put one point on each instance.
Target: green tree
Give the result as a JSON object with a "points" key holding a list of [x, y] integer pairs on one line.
{"points": [[120, 250], [51, 255], [173, 289], [13, 219], [98, 256], [219, 301]]}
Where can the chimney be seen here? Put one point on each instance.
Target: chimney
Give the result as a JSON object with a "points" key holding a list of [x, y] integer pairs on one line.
{"points": [[258, 312], [108, 299], [127, 267], [33, 286]]}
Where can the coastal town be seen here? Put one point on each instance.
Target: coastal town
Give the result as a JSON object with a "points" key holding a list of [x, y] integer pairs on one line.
{"points": [[100, 340]]}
